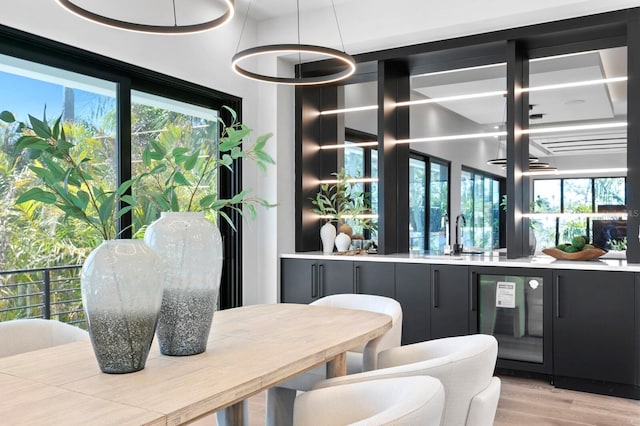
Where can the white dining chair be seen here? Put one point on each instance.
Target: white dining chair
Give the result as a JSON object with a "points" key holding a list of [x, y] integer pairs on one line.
{"points": [[464, 364], [280, 399], [401, 401], [26, 335]]}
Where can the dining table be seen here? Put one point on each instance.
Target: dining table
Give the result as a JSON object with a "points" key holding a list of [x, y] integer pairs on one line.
{"points": [[250, 349]]}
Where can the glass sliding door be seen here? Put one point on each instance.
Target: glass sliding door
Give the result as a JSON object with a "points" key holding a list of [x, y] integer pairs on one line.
{"points": [[33, 235], [417, 204], [480, 205], [428, 203], [171, 125], [438, 206]]}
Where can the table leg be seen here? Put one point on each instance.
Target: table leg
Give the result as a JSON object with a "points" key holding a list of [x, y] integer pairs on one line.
{"points": [[234, 415], [338, 366]]}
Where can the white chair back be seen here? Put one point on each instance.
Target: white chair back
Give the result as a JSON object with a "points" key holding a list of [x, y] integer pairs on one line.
{"points": [[464, 365], [405, 401], [26, 335], [369, 302]]}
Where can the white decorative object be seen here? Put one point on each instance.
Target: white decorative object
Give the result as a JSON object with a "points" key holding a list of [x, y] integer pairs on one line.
{"points": [[343, 241], [191, 248], [121, 283], [328, 237]]}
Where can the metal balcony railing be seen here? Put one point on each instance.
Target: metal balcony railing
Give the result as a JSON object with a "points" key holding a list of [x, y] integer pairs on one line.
{"points": [[51, 293]]}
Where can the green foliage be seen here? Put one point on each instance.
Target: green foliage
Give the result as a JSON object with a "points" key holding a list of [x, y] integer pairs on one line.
{"points": [[178, 176], [343, 200], [66, 175]]}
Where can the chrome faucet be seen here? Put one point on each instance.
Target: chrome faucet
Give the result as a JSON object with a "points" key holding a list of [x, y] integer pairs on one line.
{"points": [[447, 233], [457, 247]]}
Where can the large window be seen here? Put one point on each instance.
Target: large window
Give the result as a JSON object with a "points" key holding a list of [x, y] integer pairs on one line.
{"points": [[571, 203], [428, 203], [362, 162], [111, 110], [480, 206], [37, 237]]}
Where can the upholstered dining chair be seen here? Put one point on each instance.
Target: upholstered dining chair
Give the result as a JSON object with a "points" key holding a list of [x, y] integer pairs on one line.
{"points": [[464, 365], [280, 399], [401, 401], [26, 335]]}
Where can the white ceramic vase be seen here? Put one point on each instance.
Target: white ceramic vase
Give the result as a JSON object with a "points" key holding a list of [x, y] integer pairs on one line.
{"points": [[343, 241], [328, 237], [191, 248], [121, 285]]}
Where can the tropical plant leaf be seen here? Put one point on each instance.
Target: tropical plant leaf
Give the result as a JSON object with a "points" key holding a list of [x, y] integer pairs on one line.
{"points": [[180, 179], [231, 111], [146, 156], [227, 219], [37, 194], [40, 128], [106, 208], [31, 142], [7, 117], [191, 160]]}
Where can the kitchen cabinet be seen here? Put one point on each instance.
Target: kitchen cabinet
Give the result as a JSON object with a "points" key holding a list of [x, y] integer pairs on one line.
{"points": [[434, 299], [305, 280], [413, 291], [594, 326], [450, 304], [376, 278]]}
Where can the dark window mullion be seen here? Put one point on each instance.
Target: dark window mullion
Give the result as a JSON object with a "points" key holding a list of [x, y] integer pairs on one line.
{"points": [[123, 151]]}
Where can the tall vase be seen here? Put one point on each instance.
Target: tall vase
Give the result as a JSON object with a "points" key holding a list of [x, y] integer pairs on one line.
{"points": [[328, 237], [121, 285], [191, 248]]}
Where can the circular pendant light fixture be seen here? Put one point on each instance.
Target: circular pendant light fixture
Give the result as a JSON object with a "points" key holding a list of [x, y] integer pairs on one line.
{"points": [[346, 64], [171, 28]]}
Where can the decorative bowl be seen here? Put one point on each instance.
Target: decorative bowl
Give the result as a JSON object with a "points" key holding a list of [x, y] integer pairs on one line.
{"points": [[586, 254]]}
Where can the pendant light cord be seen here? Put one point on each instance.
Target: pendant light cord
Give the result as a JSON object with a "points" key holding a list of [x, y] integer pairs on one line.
{"points": [[244, 24], [333, 5], [175, 18], [299, 52]]}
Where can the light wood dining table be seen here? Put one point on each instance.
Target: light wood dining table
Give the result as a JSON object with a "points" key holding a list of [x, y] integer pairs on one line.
{"points": [[250, 349]]}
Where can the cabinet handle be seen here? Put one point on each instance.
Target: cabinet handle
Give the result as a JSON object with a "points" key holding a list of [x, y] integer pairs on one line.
{"points": [[435, 289], [474, 292], [321, 279], [558, 297], [357, 283], [314, 282]]}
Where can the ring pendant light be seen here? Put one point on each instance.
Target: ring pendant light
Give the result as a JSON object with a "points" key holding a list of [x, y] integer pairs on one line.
{"points": [[347, 63], [149, 28]]}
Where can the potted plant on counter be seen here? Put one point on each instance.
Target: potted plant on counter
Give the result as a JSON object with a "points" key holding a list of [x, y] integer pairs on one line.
{"points": [[337, 202]]}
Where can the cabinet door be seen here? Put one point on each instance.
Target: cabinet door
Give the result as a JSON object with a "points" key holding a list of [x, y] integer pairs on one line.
{"points": [[593, 325], [449, 300], [335, 277], [299, 280], [375, 278], [413, 293]]}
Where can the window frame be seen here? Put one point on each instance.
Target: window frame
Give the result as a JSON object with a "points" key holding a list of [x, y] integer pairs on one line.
{"points": [[130, 77]]}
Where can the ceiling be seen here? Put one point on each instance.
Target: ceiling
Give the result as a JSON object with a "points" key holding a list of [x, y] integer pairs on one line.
{"points": [[599, 103]]}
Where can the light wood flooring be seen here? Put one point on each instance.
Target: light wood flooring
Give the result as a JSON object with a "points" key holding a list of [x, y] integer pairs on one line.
{"points": [[525, 402]]}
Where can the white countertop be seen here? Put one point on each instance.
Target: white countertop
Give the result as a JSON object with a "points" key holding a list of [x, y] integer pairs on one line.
{"points": [[538, 261]]}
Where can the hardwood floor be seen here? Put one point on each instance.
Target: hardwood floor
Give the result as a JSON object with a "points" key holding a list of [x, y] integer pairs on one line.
{"points": [[536, 402], [530, 402]]}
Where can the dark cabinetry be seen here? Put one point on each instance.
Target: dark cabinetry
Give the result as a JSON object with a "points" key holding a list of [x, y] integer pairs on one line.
{"points": [[594, 326], [375, 278], [449, 301], [434, 299], [413, 284], [305, 280]]}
